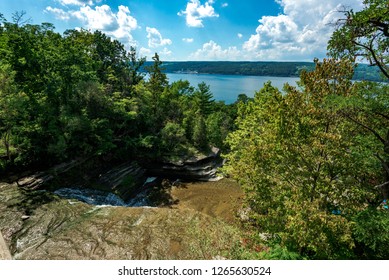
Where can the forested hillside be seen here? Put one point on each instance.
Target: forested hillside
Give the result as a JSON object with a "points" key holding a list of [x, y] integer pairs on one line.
{"points": [[82, 94], [261, 68]]}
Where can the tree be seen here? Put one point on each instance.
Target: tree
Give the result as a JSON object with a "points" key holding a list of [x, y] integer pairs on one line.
{"points": [[158, 80], [364, 34], [156, 85], [172, 138], [219, 124], [65, 95], [202, 99], [299, 162], [199, 136], [12, 104]]}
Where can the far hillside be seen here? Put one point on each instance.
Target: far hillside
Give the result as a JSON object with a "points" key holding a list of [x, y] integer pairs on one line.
{"points": [[261, 68]]}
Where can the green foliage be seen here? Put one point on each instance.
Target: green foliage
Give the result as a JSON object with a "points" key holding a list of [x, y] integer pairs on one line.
{"points": [[364, 34], [218, 124], [202, 99], [278, 252], [280, 69], [67, 95], [173, 137], [199, 136], [293, 154], [371, 231], [12, 105], [260, 68]]}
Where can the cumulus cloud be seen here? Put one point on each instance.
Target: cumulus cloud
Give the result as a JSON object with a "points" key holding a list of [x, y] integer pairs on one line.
{"points": [[145, 52], [77, 2], [59, 13], [213, 51], [188, 40], [100, 18], [166, 52], [240, 35], [155, 38], [224, 5], [302, 30], [195, 12], [117, 25]]}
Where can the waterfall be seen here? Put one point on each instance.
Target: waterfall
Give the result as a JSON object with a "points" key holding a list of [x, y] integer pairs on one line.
{"points": [[98, 197]]}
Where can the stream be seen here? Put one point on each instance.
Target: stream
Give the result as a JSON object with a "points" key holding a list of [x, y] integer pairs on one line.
{"points": [[102, 198], [96, 197]]}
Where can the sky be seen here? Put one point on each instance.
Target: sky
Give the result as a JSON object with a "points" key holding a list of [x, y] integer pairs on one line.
{"points": [[199, 30]]}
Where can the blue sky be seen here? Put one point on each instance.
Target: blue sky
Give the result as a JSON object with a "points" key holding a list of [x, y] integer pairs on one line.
{"points": [[208, 30]]}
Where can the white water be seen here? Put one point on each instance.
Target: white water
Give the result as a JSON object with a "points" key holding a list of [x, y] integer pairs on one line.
{"points": [[101, 198]]}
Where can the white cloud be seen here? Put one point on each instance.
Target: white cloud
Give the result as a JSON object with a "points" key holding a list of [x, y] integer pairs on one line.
{"points": [[59, 13], [188, 40], [213, 51], [155, 38], [224, 5], [100, 18], [126, 23], [166, 52], [302, 31], [145, 52], [240, 35], [117, 25], [77, 2], [195, 12]]}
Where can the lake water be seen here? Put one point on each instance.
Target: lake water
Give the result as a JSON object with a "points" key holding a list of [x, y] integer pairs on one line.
{"points": [[227, 88]]}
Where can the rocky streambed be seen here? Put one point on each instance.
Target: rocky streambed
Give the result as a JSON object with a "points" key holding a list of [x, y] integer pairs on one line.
{"points": [[194, 221]]}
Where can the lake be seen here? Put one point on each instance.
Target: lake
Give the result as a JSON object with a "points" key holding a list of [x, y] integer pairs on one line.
{"points": [[227, 88]]}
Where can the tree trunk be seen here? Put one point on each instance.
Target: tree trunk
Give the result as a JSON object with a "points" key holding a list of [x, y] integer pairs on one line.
{"points": [[6, 145]]}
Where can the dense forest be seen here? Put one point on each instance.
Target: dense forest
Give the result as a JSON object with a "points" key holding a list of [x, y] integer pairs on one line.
{"points": [[276, 69], [83, 94], [313, 160]]}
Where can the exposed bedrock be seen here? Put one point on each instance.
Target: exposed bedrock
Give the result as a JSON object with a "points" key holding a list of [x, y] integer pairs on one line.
{"points": [[197, 168]]}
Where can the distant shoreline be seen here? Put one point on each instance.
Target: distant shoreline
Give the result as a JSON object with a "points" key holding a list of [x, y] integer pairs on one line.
{"points": [[259, 68]]}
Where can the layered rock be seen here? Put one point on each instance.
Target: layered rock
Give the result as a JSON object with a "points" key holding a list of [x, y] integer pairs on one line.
{"points": [[197, 168], [4, 251], [39, 179], [69, 230], [124, 180], [128, 179]]}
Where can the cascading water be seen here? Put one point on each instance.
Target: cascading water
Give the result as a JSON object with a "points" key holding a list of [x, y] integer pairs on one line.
{"points": [[97, 197]]}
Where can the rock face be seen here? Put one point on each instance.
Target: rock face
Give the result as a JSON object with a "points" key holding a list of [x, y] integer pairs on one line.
{"points": [[4, 251], [39, 179], [124, 180], [59, 228], [200, 168]]}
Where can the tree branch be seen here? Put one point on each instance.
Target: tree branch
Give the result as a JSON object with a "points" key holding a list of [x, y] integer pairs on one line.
{"points": [[384, 27], [382, 115], [384, 164], [382, 185], [375, 133], [377, 62]]}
